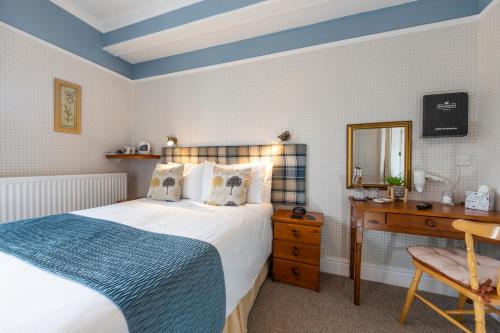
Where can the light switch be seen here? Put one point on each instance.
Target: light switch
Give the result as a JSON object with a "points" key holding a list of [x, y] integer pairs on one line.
{"points": [[464, 160]]}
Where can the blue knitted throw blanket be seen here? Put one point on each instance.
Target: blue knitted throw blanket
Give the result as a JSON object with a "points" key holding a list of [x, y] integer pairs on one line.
{"points": [[161, 283]]}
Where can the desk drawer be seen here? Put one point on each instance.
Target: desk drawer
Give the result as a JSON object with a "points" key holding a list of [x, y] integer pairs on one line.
{"points": [[374, 220], [298, 252], [292, 272], [297, 233], [420, 222]]}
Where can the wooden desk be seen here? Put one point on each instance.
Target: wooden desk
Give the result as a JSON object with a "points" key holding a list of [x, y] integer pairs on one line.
{"points": [[404, 217]]}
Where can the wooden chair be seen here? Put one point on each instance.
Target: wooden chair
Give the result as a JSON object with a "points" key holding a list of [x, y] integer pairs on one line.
{"points": [[460, 270]]}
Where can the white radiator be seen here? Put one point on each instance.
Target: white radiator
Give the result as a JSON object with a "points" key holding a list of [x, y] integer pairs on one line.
{"points": [[27, 197]]}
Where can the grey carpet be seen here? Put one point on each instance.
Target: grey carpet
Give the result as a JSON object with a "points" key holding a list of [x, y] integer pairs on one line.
{"points": [[283, 308]]}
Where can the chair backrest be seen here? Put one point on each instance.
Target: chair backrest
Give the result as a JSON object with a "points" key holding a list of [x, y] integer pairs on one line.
{"points": [[486, 230]]}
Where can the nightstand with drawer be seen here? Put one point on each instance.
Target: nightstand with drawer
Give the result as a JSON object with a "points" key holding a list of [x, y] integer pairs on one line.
{"points": [[296, 249]]}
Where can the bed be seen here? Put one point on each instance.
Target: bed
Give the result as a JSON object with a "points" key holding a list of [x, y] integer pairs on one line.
{"points": [[33, 299]]}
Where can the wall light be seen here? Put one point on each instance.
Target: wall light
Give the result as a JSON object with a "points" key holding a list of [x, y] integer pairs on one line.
{"points": [[171, 140], [283, 137]]}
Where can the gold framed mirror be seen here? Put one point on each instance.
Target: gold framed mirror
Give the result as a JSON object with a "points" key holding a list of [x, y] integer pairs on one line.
{"points": [[380, 150]]}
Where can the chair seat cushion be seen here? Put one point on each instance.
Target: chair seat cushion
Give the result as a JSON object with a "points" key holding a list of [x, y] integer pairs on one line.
{"points": [[453, 263]]}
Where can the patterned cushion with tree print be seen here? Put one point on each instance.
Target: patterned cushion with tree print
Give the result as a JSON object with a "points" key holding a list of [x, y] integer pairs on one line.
{"points": [[229, 186], [166, 183]]}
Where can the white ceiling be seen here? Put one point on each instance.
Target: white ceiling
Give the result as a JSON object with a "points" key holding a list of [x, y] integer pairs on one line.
{"points": [[107, 15]]}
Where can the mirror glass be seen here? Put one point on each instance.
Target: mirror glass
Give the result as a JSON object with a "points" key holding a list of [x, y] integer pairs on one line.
{"points": [[379, 150]]}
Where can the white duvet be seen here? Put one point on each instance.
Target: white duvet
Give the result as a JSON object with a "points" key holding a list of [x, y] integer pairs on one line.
{"points": [[33, 300]]}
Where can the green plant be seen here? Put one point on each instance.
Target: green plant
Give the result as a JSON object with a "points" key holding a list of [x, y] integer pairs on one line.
{"points": [[395, 181]]}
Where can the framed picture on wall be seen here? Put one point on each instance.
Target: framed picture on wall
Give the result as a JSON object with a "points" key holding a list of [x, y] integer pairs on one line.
{"points": [[67, 107]]}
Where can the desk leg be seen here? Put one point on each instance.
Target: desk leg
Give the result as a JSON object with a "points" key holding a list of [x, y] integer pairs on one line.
{"points": [[353, 251], [352, 242], [357, 263]]}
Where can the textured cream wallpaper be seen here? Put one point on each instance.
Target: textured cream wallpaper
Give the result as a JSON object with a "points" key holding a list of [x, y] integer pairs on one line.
{"points": [[489, 111], [28, 143], [315, 95], [489, 121]]}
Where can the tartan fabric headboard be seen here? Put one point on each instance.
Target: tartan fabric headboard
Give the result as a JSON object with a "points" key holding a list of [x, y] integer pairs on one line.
{"points": [[289, 172]]}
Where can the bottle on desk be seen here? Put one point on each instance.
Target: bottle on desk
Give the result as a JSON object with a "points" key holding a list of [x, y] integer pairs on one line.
{"points": [[359, 192]]}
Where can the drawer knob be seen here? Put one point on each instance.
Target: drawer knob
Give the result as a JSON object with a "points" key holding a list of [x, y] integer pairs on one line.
{"points": [[373, 221], [296, 233], [295, 271], [296, 251], [431, 223]]}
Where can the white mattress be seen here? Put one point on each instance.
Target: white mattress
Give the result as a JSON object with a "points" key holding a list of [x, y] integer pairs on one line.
{"points": [[33, 300]]}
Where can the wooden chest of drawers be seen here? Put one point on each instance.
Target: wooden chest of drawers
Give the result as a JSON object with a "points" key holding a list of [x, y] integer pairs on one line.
{"points": [[296, 249]]}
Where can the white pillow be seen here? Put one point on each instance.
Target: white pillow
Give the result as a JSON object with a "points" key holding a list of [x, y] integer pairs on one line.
{"points": [[268, 182], [259, 190], [192, 180], [208, 173]]}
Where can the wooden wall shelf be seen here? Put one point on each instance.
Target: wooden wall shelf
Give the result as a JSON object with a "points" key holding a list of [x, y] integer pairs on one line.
{"points": [[133, 156]]}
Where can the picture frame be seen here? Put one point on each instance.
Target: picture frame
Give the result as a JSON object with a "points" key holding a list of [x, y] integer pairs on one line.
{"points": [[67, 107]]}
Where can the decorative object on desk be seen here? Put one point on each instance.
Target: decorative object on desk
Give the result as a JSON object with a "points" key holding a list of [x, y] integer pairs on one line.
{"points": [[359, 192], [393, 196], [447, 197], [373, 193], [419, 180], [171, 140], [284, 137], [445, 115], [420, 177], [482, 199], [67, 107], [380, 149], [397, 189], [423, 206], [144, 148], [382, 200]]}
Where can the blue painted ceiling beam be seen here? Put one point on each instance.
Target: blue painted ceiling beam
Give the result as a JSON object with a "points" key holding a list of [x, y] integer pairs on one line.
{"points": [[45, 20], [483, 4], [174, 18]]}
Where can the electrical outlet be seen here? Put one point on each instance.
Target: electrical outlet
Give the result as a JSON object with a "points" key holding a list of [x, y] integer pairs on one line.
{"points": [[464, 160]]}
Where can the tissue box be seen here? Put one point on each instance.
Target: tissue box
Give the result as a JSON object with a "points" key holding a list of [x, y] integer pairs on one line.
{"points": [[480, 201]]}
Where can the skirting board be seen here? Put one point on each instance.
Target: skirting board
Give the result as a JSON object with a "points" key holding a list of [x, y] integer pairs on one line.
{"points": [[384, 274]]}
